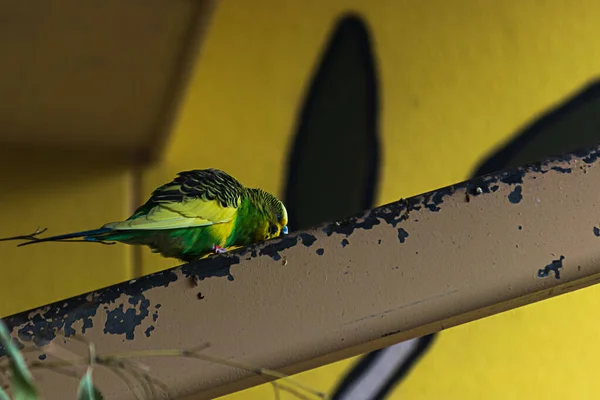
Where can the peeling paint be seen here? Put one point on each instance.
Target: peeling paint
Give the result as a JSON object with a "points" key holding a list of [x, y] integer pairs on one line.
{"points": [[307, 239], [121, 321], [74, 315], [516, 195], [149, 330], [320, 251], [396, 213], [588, 156], [513, 177], [42, 325], [272, 250], [345, 242], [347, 227], [554, 266], [218, 266], [402, 235]]}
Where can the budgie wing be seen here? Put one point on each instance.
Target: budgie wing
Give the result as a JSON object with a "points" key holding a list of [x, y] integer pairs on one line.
{"points": [[194, 198]]}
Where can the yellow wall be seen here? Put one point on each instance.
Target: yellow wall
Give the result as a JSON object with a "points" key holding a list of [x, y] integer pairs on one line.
{"points": [[458, 78], [64, 193]]}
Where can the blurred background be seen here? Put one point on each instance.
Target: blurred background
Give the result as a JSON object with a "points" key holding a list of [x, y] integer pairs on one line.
{"points": [[361, 102]]}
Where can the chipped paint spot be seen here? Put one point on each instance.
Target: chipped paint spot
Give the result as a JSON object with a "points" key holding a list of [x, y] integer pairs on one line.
{"points": [[554, 266], [307, 239], [347, 227], [272, 249], [149, 330], [46, 322], [395, 213], [42, 357], [588, 156], [121, 321], [87, 323], [513, 177], [520, 228], [562, 170], [516, 195], [402, 235], [596, 231], [345, 242], [320, 251], [216, 266], [155, 316]]}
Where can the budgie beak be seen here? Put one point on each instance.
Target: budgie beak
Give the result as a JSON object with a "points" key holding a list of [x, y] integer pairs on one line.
{"points": [[285, 230]]}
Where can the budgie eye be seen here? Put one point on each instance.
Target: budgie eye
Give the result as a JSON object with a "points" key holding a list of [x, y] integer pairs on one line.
{"points": [[273, 229]]}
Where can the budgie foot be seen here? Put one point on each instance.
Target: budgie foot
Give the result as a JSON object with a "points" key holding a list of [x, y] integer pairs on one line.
{"points": [[218, 250]]}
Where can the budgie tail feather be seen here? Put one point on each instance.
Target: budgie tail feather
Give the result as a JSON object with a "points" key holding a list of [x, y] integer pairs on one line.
{"points": [[94, 236]]}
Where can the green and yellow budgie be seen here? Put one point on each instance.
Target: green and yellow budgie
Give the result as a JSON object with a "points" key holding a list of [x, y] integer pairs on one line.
{"points": [[200, 212]]}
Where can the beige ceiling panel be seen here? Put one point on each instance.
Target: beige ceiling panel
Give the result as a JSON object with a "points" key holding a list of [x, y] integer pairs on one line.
{"points": [[94, 74]]}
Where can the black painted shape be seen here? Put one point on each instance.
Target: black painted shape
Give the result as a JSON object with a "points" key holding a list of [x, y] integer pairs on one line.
{"points": [[573, 125], [334, 161]]}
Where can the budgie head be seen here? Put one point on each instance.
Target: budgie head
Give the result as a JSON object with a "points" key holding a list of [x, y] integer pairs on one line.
{"points": [[275, 215]]}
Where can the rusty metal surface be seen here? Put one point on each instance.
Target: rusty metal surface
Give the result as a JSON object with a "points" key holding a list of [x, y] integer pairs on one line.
{"points": [[314, 297]]}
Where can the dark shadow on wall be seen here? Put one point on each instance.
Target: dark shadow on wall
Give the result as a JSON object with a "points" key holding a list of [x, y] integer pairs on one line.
{"points": [[335, 160], [572, 125]]}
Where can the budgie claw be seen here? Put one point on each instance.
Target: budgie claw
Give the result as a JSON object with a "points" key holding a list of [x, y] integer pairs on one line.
{"points": [[31, 236], [219, 250]]}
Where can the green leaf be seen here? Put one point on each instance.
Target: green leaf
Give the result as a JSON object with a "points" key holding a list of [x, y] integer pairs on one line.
{"points": [[87, 390], [22, 385], [3, 395]]}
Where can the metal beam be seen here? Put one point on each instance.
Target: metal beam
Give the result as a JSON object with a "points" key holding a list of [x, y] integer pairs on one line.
{"points": [[396, 272]]}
